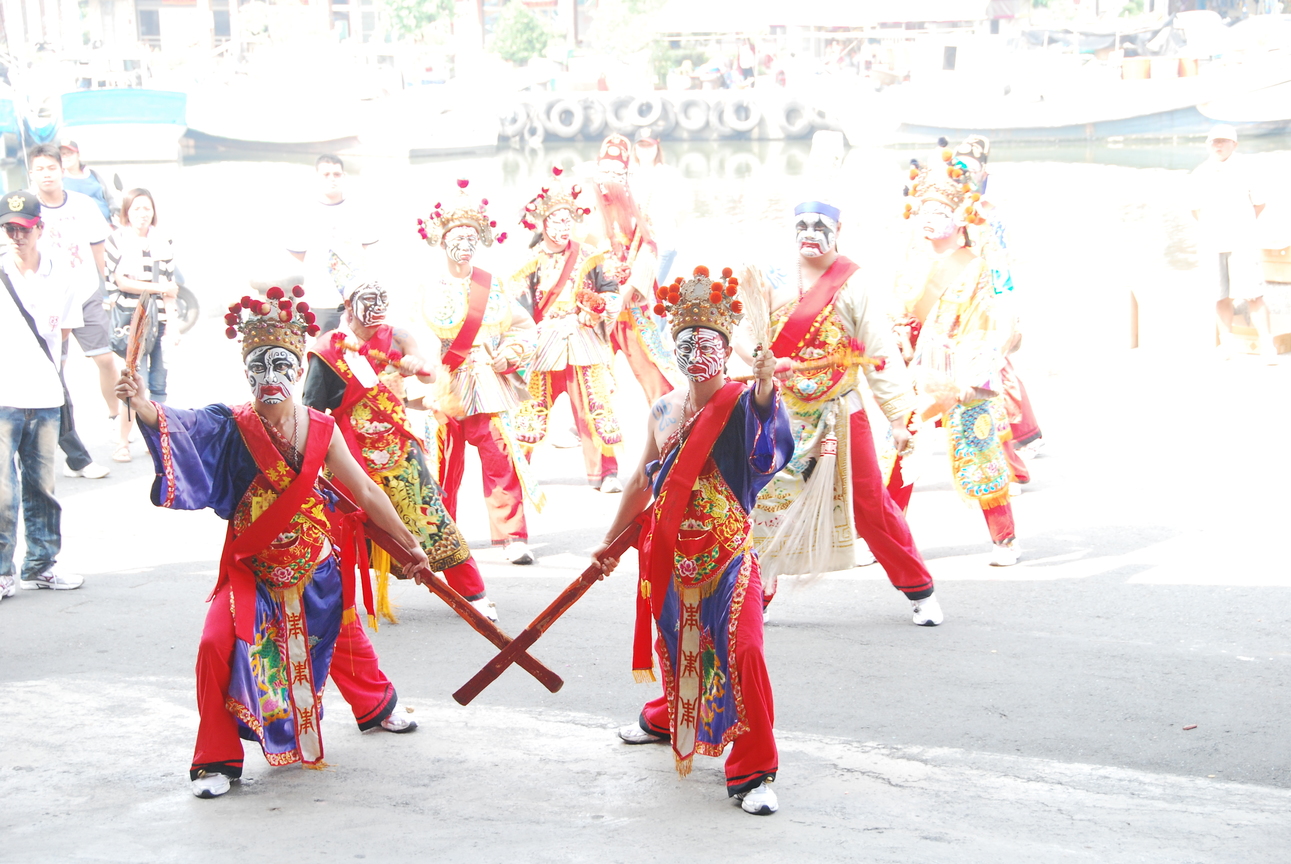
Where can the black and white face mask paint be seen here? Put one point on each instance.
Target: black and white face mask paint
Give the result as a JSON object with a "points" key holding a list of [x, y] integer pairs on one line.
{"points": [[817, 234], [936, 220], [701, 353], [370, 304], [461, 242], [273, 372]]}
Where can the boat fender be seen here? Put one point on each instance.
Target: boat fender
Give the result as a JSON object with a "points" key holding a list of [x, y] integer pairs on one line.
{"points": [[743, 106], [715, 122], [513, 124], [534, 133], [667, 120], [795, 119], [617, 117], [692, 113], [594, 117], [564, 118], [646, 110]]}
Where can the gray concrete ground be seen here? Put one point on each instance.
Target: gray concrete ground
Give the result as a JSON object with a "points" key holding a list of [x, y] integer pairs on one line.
{"points": [[1045, 720]]}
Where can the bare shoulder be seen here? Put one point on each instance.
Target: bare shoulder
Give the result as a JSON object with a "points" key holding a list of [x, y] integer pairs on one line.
{"points": [[667, 412]]}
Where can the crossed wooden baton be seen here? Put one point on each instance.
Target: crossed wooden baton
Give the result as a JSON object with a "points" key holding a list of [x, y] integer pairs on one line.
{"points": [[455, 601], [514, 653]]}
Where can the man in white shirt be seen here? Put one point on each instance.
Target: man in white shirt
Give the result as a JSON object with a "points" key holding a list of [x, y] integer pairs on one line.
{"points": [[330, 236], [37, 304], [1226, 204], [73, 235]]}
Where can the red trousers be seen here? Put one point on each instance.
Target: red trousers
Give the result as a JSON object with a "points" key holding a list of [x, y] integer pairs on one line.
{"points": [[999, 520], [354, 669], [1022, 419], [503, 495], [623, 337], [753, 756], [598, 465], [880, 520]]}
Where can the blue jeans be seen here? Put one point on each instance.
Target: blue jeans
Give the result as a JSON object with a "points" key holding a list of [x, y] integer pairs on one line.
{"points": [[30, 434], [152, 367]]}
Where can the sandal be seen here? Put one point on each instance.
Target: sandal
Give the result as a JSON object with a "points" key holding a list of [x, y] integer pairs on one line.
{"points": [[122, 453]]}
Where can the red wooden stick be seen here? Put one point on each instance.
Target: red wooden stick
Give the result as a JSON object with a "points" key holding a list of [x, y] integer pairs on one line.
{"points": [[567, 598]]}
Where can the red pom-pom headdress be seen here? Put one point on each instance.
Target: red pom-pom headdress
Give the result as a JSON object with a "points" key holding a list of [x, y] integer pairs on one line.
{"points": [[701, 302], [466, 211], [279, 319], [553, 198]]}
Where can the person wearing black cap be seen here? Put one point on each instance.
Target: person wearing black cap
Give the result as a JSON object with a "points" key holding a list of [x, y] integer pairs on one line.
{"points": [[37, 300]]}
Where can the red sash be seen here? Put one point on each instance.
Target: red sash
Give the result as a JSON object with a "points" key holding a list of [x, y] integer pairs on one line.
{"points": [[276, 517], [802, 322], [661, 530], [571, 258], [355, 392], [481, 285]]}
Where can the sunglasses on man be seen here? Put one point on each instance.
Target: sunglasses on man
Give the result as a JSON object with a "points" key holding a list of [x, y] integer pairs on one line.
{"points": [[15, 230]]}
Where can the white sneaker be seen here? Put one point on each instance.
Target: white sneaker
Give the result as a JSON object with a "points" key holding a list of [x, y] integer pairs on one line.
{"points": [[1005, 554], [517, 552], [634, 734], [8, 586], [760, 801], [1015, 489], [927, 612], [487, 608], [93, 471], [611, 484], [864, 557], [211, 785], [398, 723], [1032, 450], [50, 579]]}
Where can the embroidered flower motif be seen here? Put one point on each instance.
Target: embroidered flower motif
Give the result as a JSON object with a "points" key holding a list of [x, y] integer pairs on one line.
{"points": [[379, 457], [686, 569]]}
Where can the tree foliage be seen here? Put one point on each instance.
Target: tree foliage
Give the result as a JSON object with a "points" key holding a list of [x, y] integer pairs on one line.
{"points": [[412, 17], [520, 35]]}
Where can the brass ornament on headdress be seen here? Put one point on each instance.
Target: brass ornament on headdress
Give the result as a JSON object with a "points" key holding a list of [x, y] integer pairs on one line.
{"points": [[464, 211], [701, 302], [947, 181], [553, 198], [277, 320]]}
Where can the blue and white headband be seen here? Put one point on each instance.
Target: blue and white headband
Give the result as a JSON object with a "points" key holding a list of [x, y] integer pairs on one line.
{"points": [[817, 207]]}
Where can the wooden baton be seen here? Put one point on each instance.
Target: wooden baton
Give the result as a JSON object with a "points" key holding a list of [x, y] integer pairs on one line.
{"points": [[441, 589], [576, 589]]}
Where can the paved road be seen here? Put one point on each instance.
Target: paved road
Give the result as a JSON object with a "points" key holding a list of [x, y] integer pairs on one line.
{"points": [[1044, 721]]}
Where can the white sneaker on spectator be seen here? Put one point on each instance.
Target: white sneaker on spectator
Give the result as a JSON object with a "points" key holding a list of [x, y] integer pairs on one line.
{"points": [[93, 471], [50, 579], [487, 608], [927, 612], [8, 586], [759, 801], [864, 557], [211, 785]]}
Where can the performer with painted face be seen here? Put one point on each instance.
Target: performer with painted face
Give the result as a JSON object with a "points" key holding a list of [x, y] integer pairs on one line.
{"points": [[574, 301], [485, 337], [281, 612], [633, 260], [357, 373], [959, 331], [709, 449], [823, 323]]}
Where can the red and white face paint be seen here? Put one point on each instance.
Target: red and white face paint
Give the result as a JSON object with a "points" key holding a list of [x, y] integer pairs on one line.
{"points": [[272, 372], [559, 227], [701, 353], [936, 220]]}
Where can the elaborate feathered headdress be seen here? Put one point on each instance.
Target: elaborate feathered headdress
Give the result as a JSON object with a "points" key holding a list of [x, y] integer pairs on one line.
{"points": [[553, 198], [944, 180], [701, 302], [279, 320], [465, 211]]}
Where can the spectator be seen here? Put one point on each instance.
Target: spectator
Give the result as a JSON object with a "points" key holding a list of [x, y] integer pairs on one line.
{"points": [[79, 177], [73, 235], [40, 300], [1226, 204], [330, 238], [140, 262]]}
